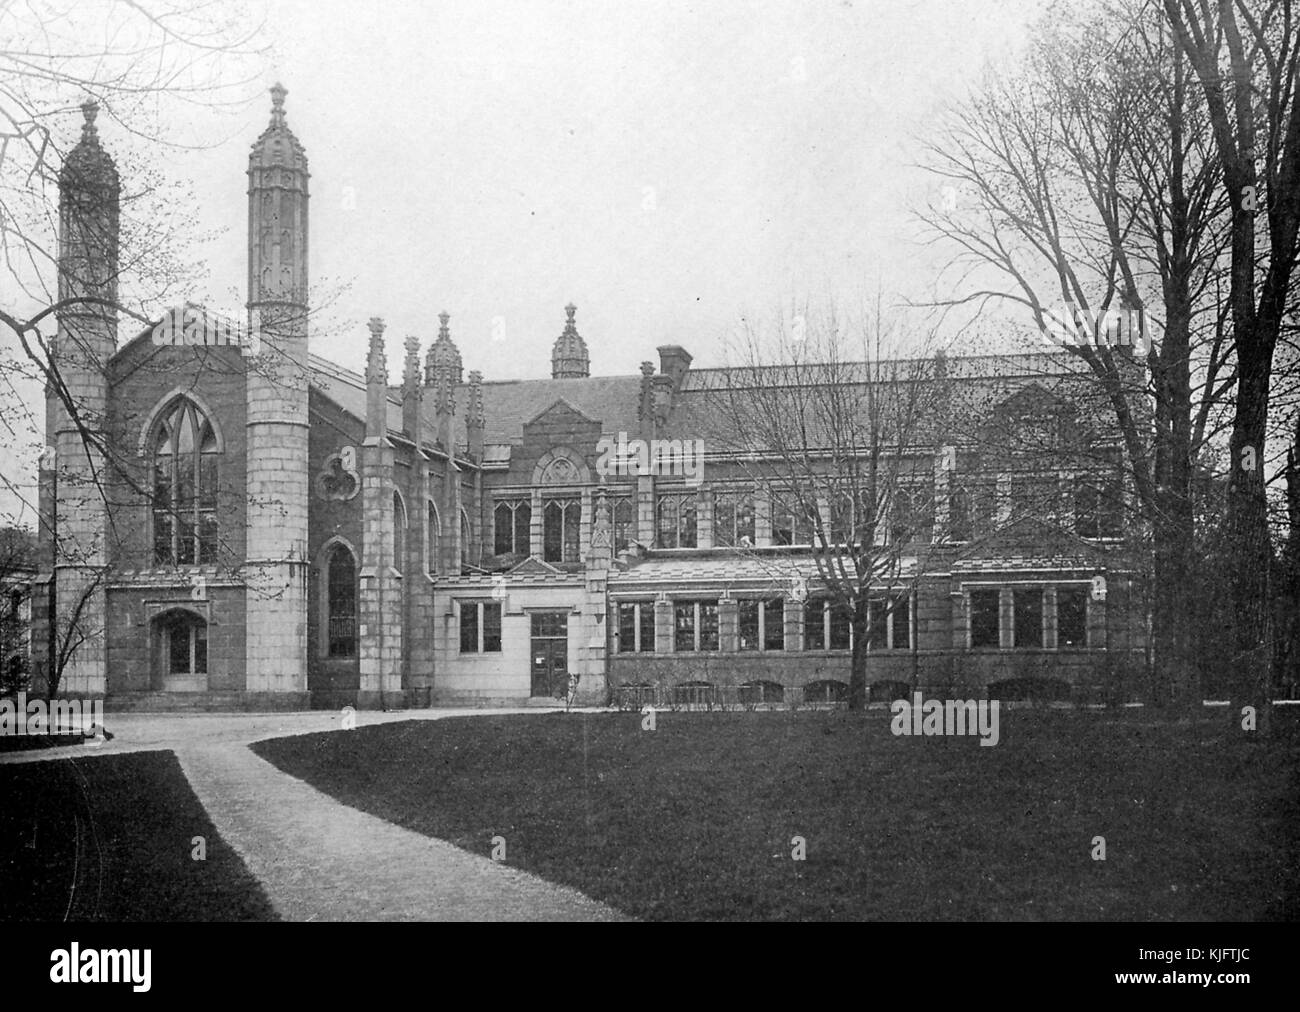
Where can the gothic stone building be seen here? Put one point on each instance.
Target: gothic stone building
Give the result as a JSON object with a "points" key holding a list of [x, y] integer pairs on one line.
{"points": [[286, 532]]}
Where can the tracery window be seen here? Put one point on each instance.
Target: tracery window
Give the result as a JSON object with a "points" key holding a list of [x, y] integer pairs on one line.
{"points": [[512, 520], [561, 530], [185, 474]]}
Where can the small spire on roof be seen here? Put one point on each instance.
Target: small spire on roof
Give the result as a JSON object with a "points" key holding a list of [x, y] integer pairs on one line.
{"points": [[443, 355], [89, 110], [376, 366], [569, 357], [278, 91], [474, 409]]}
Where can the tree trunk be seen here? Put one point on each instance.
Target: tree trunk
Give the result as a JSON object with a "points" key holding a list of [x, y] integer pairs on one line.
{"points": [[1247, 526], [1177, 681], [1288, 593], [858, 672]]}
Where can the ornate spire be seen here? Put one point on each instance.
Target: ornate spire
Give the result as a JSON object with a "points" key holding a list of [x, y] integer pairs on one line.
{"points": [[89, 110], [444, 394], [376, 366], [413, 393], [89, 199], [88, 166], [277, 145], [411, 367], [569, 358], [277, 218], [474, 409], [443, 356], [278, 91]]}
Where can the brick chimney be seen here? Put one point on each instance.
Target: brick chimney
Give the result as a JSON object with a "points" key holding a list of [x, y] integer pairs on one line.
{"points": [[675, 362]]}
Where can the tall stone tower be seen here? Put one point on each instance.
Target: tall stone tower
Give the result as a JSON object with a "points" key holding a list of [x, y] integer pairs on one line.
{"points": [[89, 193], [276, 390]]}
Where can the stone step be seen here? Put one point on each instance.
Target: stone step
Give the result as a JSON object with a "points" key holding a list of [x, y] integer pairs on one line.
{"points": [[200, 702]]}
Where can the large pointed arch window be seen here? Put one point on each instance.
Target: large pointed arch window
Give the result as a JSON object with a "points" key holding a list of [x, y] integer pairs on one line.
{"points": [[185, 473]]}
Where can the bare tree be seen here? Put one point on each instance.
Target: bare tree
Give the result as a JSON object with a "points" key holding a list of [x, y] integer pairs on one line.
{"points": [[1288, 583], [833, 424], [1089, 199], [1246, 59], [136, 67], [82, 251], [120, 251], [17, 569]]}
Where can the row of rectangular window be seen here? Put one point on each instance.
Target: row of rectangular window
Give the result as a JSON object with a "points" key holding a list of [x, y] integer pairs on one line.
{"points": [[1024, 625], [829, 626], [561, 527], [972, 508], [761, 622], [761, 625]]}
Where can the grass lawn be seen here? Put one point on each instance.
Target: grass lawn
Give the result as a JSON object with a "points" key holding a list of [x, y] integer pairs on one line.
{"points": [[108, 838], [694, 820]]}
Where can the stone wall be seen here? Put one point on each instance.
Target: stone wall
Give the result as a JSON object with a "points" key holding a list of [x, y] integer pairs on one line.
{"points": [[133, 652], [506, 677]]}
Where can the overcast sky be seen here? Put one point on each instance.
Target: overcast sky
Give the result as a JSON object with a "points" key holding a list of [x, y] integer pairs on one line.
{"points": [[666, 166]]}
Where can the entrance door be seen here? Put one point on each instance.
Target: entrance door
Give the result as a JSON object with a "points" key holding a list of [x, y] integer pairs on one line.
{"points": [[550, 653], [182, 652]]}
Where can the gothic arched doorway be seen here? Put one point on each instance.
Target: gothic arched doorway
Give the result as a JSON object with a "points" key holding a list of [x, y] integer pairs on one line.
{"points": [[180, 651]]}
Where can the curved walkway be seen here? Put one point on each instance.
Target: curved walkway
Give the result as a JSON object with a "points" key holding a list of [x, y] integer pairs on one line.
{"points": [[317, 858]]}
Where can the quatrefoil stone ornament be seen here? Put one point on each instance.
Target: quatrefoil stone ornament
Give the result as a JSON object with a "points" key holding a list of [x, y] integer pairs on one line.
{"points": [[339, 479]]}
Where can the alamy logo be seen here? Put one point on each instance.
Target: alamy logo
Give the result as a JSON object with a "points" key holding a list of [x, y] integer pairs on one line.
{"points": [[1111, 328], [192, 325], [946, 717], [75, 965], [630, 457], [22, 716]]}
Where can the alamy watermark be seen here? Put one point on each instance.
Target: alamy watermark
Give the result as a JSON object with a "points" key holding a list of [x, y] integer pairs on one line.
{"points": [[946, 717], [23, 716], [1071, 324], [631, 457], [75, 965]]}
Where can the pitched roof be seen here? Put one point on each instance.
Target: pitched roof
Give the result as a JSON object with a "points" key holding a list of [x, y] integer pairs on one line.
{"points": [[973, 386], [347, 389], [510, 404], [613, 401], [1052, 547], [507, 405]]}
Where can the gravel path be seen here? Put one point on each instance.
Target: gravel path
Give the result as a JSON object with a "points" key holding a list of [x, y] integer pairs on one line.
{"points": [[321, 860]]}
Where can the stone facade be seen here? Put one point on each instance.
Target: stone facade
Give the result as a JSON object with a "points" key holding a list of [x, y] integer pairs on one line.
{"points": [[287, 532]]}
